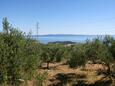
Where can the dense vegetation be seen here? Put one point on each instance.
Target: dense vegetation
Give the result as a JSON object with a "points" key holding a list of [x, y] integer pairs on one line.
{"points": [[18, 55], [21, 56]]}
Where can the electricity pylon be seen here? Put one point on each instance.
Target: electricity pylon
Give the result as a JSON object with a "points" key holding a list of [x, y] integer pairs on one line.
{"points": [[37, 27]]}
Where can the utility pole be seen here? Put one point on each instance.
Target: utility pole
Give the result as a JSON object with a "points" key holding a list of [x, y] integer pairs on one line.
{"points": [[37, 27]]}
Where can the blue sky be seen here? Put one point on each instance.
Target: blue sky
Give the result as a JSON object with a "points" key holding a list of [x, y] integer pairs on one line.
{"points": [[60, 16]]}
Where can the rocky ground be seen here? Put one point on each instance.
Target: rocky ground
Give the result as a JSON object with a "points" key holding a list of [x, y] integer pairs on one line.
{"points": [[61, 74]]}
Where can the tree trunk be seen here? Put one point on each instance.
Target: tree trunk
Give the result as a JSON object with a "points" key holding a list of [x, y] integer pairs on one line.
{"points": [[109, 70], [47, 64]]}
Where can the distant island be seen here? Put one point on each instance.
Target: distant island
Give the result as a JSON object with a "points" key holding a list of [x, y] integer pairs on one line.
{"points": [[65, 38], [62, 42]]}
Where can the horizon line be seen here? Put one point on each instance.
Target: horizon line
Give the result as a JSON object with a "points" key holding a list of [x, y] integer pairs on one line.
{"points": [[73, 34]]}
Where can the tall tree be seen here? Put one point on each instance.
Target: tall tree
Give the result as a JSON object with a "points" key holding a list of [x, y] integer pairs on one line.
{"points": [[6, 25]]}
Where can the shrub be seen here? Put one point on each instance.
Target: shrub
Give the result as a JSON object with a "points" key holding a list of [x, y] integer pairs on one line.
{"points": [[97, 51], [112, 49], [77, 56], [40, 78], [18, 56]]}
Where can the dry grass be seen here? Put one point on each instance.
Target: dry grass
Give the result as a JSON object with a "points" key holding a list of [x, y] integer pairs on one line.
{"points": [[63, 74]]}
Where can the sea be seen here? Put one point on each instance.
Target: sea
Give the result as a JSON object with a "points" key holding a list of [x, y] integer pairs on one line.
{"points": [[73, 38]]}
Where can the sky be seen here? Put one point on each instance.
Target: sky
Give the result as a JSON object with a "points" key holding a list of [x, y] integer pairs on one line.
{"points": [[83, 17]]}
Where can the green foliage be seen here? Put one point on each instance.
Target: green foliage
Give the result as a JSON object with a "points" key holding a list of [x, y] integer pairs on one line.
{"points": [[18, 56], [112, 49], [6, 26], [107, 40], [52, 53], [40, 78], [96, 50], [57, 51], [77, 57]]}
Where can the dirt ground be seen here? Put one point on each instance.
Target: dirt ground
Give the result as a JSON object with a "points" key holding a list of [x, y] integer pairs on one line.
{"points": [[60, 74]]}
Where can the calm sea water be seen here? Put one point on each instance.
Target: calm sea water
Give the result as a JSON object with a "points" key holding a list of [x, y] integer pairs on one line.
{"points": [[74, 38]]}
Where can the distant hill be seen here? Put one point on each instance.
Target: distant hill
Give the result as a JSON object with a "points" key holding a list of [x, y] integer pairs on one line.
{"points": [[69, 35]]}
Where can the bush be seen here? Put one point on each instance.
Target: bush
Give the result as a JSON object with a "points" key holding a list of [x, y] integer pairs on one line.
{"points": [[98, 51], [18, 56], [77, 56], [95, 50], [112, 49], [40, 78]]}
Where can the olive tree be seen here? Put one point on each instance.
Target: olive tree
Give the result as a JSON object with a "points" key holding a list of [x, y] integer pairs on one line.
{"points": [[18, 56], [97, 51], [47, 55], [77, 56]]}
